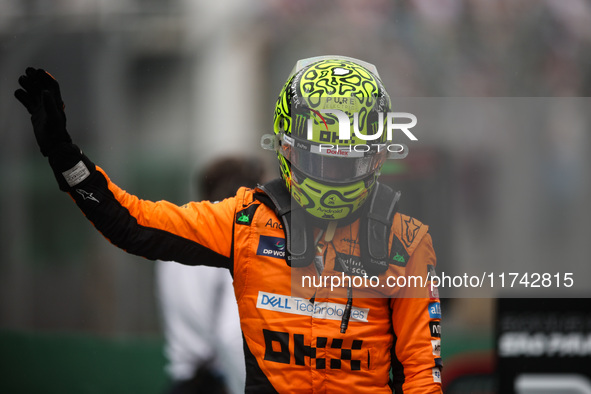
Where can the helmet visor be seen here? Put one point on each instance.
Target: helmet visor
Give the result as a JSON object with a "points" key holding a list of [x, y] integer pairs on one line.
{"points": [[332, 163]]}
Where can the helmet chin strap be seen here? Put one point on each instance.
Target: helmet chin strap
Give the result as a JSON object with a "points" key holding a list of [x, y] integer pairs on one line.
{"points": [[330, 230]]}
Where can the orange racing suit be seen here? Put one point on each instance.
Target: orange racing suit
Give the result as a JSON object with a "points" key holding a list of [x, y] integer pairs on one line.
{"points": [[292, 341]]}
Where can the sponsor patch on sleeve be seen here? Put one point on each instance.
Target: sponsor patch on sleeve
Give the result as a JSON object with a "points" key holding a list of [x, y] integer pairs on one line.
{"points": [[436, 345], [436, 374], [431, 270], [433, 292], [76, 174], [435, 310], [435, 328]]}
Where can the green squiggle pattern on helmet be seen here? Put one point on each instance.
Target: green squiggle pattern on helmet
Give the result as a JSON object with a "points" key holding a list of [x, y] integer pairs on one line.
{"points": [[325, 85]]}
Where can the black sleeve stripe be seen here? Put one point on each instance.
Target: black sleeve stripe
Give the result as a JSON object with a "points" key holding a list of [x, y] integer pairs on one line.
{"points": [[397, 369], [122, 229]]}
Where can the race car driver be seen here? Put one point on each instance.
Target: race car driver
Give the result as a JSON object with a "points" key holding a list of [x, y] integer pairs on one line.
{"points": [[287, 242]]}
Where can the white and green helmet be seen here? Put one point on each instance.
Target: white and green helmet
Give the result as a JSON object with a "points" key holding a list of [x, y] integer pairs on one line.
{"points": [[330, 177]]}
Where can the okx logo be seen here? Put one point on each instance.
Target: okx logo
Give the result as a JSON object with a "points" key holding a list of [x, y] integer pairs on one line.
{"points": [[327, 353], [271, 246]]}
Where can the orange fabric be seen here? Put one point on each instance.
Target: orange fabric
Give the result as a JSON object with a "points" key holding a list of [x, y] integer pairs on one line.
{"points": [[203, 222], [297, 342]]}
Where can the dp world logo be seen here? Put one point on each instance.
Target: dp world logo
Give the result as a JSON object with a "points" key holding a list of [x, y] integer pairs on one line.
{"points": [[271, 246]]}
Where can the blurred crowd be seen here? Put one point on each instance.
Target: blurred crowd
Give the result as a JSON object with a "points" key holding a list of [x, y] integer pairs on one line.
{"points": [[452, 47]]}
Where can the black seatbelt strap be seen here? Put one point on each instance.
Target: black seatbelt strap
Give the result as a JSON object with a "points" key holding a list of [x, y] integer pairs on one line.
{"points": [[374, 231], [299, 241], [374, 228]]}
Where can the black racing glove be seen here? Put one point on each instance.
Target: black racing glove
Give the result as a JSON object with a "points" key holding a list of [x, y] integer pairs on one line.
{"points": [[41, 96]]}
